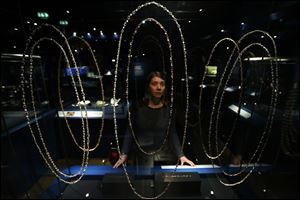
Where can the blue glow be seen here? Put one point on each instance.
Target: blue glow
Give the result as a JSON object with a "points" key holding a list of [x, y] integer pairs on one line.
{"points": [[82, 71]]}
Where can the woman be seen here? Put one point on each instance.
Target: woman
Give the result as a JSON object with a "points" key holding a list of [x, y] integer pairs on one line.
{"points": [[150, 120]]}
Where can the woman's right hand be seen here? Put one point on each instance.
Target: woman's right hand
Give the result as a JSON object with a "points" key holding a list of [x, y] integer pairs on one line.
{"points": [[121, 160]]}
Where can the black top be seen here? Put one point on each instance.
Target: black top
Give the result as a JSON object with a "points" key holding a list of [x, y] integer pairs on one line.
{"points": [[150, 128]]}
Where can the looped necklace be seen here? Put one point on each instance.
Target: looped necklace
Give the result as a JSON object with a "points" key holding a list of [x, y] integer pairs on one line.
{"points": [[266, 133], [114, 92], [52, 166], [127, 88], [102, 93]]}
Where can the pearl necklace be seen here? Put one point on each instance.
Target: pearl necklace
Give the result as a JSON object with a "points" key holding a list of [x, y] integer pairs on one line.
{"points": [[115, 84], [52, 166], [172, 89], [267, 129], [73, 82]]}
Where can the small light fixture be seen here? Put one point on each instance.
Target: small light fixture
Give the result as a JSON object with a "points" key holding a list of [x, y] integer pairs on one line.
{"points": [[264, 190]]}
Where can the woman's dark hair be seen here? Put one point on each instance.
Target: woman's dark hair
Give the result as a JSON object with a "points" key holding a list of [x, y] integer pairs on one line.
{"points": [[147, 95]]}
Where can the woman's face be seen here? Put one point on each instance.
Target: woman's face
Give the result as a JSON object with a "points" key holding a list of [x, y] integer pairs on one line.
{"points": [[157, 87]]}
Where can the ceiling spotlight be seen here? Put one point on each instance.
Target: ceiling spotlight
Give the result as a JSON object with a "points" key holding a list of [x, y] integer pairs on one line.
{"points": [[115, 36], [67, 11]]}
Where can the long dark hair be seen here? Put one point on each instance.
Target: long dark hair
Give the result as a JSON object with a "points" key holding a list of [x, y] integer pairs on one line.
{"points": [[147, 95]]}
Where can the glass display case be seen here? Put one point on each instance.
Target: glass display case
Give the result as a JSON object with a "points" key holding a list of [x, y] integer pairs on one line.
{"points": [[11, 95], [44, 153]]}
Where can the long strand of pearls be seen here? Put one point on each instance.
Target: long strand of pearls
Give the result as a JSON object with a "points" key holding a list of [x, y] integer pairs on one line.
{"points": [[267, 129], [115, 83], [172, 89], [53, 168], [102, 93]]}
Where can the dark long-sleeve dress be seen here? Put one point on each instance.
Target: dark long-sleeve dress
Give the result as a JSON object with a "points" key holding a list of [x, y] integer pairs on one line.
{"points": [[150, 126]]}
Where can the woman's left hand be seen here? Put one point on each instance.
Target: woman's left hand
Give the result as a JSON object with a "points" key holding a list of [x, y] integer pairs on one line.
{"points": [[184, 159]]}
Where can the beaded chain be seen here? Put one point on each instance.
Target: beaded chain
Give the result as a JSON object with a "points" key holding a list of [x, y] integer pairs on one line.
{"points": [[53, 168], [114, 92], [73, 82], [203, 78], [267, 129], [172, 89]]}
